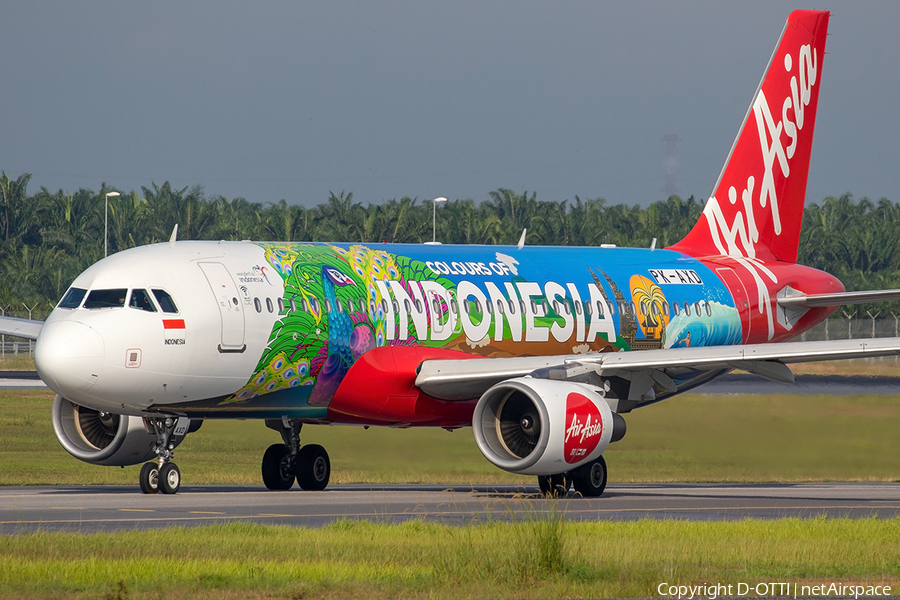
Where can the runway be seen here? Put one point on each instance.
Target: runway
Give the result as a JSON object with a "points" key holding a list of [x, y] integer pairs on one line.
{"points": [[108, 508]]}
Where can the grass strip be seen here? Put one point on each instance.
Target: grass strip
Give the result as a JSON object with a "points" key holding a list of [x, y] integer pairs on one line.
{"points": [[690, 438], [536, 555]]}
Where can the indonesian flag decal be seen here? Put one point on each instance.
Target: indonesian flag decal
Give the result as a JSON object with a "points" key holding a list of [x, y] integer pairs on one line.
{"points": [[584, 428], [171, 324]]}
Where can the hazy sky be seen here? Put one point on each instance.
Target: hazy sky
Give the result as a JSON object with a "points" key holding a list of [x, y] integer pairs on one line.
{"points": [[271, 100]]}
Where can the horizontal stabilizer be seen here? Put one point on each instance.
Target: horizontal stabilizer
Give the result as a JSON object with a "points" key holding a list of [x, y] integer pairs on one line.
{"points": [[840, 299]]}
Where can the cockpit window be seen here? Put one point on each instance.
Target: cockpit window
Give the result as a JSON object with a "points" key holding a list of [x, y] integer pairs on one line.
{"points": [[106, 298], [140, 299], [73, 298], [165, 301]]}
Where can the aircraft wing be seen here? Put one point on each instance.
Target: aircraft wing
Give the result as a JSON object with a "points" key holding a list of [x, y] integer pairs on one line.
{"points": [[464, 379], [23, 328]]}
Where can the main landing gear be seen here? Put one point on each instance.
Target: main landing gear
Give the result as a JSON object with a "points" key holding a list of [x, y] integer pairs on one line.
{"points": [[589, 480], [162, 475], [283, 463]]}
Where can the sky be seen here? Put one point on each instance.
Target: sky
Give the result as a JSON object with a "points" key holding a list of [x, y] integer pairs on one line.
{"points": [[293, 100]]}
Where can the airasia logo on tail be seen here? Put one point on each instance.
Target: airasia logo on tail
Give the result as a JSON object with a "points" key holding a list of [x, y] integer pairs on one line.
{"points": [[584, 428]]}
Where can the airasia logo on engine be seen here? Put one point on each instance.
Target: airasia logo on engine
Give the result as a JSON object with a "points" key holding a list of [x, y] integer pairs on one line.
{"points": [[584, 428]]}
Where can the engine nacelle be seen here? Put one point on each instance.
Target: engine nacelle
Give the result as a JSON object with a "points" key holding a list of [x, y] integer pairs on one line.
{"points": [[105, 438], [543, 427]]}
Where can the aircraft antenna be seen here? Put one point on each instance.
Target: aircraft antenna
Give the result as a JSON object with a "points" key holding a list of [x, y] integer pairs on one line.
{"points": [[174, 236], [653, 244], [521, 243]]}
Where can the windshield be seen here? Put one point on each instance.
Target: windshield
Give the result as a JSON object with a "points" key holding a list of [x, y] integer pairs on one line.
{"points": [[73, 298], [106, 298], [165, 301]]}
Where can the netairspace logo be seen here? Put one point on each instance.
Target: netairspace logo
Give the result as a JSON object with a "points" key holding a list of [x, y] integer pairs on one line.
{"points": [[711, 591]]}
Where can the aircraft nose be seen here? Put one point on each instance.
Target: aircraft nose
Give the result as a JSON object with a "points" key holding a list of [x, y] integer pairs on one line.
{"points": [[68, 356]]}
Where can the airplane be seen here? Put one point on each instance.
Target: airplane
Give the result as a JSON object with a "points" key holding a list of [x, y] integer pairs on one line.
{"points": [[530, 346]]}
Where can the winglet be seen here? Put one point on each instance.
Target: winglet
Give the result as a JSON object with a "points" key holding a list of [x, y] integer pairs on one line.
{"points": [[174, 236]]}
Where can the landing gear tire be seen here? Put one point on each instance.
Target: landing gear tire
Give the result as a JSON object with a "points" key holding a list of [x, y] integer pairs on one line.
{"points": [[169, 478], [277, 471], [590, 479], [149, 478], [554, 486], [313, 468]]}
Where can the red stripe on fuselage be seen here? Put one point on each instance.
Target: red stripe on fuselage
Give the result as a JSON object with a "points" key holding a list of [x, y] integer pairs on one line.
{"points": [[173, 324]]}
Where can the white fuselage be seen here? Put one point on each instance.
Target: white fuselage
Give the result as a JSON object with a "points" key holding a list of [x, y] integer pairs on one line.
{"points": [[125, 358]]}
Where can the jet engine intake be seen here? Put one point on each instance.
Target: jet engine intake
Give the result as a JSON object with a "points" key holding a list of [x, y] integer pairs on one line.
{"points": [[540, 427], [103, 438]]}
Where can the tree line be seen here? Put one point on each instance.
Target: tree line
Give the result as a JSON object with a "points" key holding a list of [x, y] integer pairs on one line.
{"points": [[48, 238]]}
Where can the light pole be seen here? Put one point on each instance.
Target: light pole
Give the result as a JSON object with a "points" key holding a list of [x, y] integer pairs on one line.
{"points": [[106, 222], [434, 204]]}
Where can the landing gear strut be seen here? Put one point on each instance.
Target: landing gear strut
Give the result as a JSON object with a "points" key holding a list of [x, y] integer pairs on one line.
{"points": [[589, 480], [163, 475], [282, 463]]}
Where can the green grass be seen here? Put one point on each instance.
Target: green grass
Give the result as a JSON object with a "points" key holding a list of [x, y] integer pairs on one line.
{"points": [[689, 438], [539, 556]]}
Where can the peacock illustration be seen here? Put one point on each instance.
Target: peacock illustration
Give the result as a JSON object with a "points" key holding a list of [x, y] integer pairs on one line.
{"points": [[347, 340]]}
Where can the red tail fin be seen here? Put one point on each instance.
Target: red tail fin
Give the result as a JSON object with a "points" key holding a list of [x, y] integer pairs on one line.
{"points": [[757, 205]]}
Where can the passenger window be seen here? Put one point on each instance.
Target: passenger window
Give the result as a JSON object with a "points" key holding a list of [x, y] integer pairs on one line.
{"points": [[675, 306], [280, 306], [687, 309], [314, 305], [293, 305], [269, 306], [257, 304], [140, 300], [500, 306], [708, 309], [578, 307], [697, 309], [106, 298], [327, 305], [512, 307], [165, 301], [600, 308], [73, 298], [418, 305]]}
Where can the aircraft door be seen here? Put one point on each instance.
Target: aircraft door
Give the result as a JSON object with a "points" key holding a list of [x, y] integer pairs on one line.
{"points": [[231, 313]]}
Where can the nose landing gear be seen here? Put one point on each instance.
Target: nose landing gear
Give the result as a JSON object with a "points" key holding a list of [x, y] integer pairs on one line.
{"points": [[162, 475], [283, 463]]}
